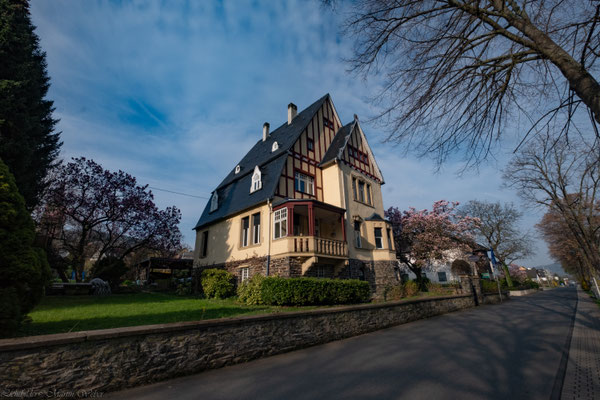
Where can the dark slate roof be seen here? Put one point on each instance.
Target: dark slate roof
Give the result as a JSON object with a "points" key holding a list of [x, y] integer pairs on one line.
{"points": [[337, 144], [374, 217], [234, 191]]}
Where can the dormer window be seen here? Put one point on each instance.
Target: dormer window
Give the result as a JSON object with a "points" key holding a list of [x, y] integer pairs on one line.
{"points": [[256, 180], [237, 169], [214, 202], [274, 147]]}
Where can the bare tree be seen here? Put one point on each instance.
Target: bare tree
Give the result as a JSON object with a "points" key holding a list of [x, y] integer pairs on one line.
{"points": [[565, 179], [457, 73]]}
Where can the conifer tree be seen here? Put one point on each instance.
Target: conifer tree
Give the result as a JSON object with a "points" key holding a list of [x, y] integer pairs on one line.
{"points": [[28, 143]]}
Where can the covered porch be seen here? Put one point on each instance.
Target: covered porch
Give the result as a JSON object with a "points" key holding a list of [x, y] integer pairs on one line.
{"points": [[313, 228]]}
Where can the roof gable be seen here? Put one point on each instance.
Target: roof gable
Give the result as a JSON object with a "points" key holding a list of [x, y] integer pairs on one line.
{"points": [[234, 191]]}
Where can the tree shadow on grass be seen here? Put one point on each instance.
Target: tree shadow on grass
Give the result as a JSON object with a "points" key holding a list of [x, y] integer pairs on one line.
{"points": [[76, 325]]}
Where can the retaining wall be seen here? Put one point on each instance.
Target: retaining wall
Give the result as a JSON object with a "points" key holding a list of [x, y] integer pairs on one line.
{"points": [[111, 359]]}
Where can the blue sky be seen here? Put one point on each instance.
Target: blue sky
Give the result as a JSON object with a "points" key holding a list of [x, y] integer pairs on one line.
{"points": [[176, 92]]}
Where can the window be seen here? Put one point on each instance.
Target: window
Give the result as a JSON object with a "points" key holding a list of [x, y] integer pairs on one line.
{"points": [[274, 147], [361, 191], [442, 277], [204, 244], [389, 238], [237, 169], [280, 223], [304, 183], [320, 272], [256, 180], [245, 273], [327, 122], [354, 188], [369, 195], [378, 239], [310, 144], [245, 230], [256, 228], [214, 202], [357, 238]]}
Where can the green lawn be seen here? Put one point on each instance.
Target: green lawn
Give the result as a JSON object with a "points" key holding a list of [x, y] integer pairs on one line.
{"points": [[59, 314]]}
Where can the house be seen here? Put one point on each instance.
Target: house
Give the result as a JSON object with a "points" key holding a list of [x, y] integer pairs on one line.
{"points": [[304, 201]]}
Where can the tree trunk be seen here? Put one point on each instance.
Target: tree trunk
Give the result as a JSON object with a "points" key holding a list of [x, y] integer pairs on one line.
{"points": [[509, 281]]}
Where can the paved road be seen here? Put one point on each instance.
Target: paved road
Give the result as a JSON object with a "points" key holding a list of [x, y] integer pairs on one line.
{"points": [[508, 351]]}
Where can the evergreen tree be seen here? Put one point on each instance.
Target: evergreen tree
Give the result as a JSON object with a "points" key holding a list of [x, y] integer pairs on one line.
{"points": [[28, 144], [23, 267]]}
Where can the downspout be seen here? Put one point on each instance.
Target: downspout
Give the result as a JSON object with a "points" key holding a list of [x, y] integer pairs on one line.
{"points": [[269, 237]]}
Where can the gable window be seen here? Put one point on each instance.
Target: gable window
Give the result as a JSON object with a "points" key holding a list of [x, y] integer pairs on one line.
{"points": [[245, 273], [256, 228], [378, 239], [357, 237], [310, 144], [204, 247], [280, 223], [245, 230], [328, 123], [274, 147], [442, 277], [354, 188], [304, 183], [256, 180], [214, 202], [362, 191]]}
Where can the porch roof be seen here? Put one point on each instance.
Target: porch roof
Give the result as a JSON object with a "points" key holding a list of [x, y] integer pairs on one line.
{"points": [[302, 202]]}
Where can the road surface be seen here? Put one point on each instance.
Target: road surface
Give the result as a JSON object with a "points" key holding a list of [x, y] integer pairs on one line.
{"points": [[508, 351]]}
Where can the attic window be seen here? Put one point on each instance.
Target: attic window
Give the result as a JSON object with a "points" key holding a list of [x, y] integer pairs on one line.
{"points": [[237, 169], [214, 202], [327, 123], [256, 180], [275, 147]]}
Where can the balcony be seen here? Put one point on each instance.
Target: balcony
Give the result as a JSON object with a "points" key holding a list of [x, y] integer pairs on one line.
{"points": [[312, 245]]}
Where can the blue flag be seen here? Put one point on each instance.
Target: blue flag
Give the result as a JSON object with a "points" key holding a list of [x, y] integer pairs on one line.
{"points": [[493, 258]]}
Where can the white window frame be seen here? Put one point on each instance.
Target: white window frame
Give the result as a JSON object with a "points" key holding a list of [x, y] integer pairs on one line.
{"points": [[280, 223], [245, 273], [256, 180], [307, 180], [245, 231], [378, 244]]}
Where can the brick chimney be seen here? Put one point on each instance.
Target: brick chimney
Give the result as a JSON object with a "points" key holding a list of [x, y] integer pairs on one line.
{"points": [[292, 112], [265, 131]]}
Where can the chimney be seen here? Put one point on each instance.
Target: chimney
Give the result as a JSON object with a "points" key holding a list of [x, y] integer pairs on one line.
{"points": [[292, 112], [265, 131]]}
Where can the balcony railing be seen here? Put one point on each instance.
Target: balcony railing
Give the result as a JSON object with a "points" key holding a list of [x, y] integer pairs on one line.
{"points": [[317, 245]]}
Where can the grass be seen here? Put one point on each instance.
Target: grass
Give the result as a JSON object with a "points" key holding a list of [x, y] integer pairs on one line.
{"points": [[60, 314]]}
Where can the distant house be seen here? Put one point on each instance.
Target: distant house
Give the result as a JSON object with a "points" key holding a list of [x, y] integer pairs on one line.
{"points": [[304, 201]]}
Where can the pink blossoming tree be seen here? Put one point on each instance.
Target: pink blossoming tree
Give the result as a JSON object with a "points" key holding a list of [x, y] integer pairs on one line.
{"points": [[422, 235]]}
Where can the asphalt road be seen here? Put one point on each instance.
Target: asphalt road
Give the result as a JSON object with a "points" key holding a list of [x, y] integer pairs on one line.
{"points": [[508, 351]]}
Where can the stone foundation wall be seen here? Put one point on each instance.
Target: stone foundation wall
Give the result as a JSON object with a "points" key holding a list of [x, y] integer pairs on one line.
{"points": [[112, 359]]}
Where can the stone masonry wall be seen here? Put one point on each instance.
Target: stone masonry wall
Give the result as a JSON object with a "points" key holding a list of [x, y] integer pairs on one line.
{"points": [[112, 359]]}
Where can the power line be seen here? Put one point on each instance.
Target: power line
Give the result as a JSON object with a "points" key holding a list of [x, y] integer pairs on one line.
{"points": [[179, 193]]}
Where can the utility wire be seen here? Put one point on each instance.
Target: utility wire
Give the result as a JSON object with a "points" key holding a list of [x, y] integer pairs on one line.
{"points": [[179, 193]]}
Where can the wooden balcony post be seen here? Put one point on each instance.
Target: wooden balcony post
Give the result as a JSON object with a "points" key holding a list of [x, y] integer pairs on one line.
{"points": [[311, 220]]}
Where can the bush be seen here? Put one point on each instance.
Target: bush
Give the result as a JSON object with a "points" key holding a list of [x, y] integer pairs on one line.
{"points": [[437, 288], [489, 286], [184, 289], [394, 292], [303, 291], [217, 283], [109, 269], [411, 288], [23, 267]]}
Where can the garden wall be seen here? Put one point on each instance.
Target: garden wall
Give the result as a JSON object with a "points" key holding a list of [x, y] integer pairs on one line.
{"points": [[111, 359]]}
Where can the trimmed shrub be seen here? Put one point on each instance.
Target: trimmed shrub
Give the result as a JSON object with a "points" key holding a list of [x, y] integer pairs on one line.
{"points": [[303, 291], [217, 283]]}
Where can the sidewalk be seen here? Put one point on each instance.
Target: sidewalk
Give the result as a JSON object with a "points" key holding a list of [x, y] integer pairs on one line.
{"points": [[582, 380]]}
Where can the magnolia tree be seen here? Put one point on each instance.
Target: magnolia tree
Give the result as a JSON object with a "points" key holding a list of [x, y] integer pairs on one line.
{"points": [[422, 235], [107, 214]]}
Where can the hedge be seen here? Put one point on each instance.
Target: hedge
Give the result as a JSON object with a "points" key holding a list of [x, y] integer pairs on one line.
{"points": [[217, 283], [303, 291]]}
